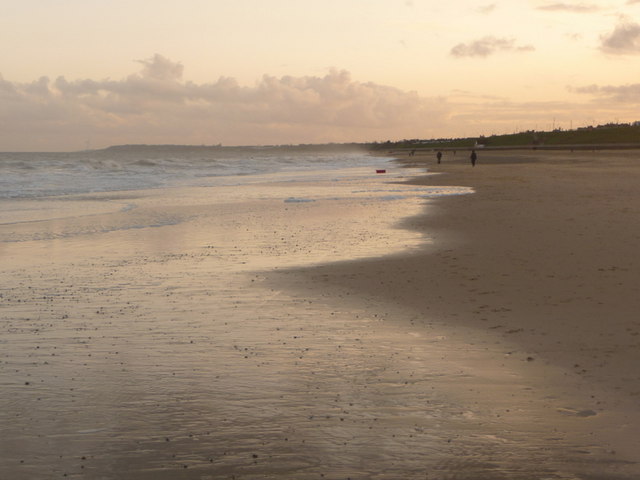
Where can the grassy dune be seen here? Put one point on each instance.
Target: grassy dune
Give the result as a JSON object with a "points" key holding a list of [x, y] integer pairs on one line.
{"points": [[612, 135]]}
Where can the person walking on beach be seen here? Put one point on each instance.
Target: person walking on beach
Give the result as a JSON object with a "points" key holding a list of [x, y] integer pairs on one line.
{"points": [[439, 155], [473, 157]]}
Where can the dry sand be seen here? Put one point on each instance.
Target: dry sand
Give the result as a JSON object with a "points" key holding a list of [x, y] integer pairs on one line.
{"points": [[540, 267]]}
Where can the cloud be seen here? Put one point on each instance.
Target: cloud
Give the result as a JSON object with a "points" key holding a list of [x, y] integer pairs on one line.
{"points": [[487, 9], [487, 46], [570, 7], [625, 39], [161, 68], [506, 116], [156, 106], [625, 94]]}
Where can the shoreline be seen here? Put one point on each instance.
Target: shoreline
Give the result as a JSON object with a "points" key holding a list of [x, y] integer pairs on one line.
{"points": [[148, 339], [542, 257], [251, 332]]}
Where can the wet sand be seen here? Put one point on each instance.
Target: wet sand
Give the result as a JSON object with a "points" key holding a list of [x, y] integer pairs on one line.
{"points": [[539, 271], [140, 339], [171, 335]]}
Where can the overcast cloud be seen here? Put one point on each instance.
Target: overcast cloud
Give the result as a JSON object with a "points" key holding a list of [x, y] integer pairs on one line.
{"points": [[156, 106]]}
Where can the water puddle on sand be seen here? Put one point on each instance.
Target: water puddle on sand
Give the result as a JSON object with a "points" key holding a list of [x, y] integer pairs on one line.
{"points": [[163, 352]]}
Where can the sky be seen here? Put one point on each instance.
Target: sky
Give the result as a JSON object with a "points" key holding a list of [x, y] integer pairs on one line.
{"points": [[78, 74]]}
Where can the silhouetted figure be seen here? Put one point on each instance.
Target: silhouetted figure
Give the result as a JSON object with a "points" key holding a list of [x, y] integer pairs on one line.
{"points": [[473, 157], [439, 155]]}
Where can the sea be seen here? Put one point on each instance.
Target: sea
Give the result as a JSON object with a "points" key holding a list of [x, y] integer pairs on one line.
{"points": [[40, 187], [137, 167], [156, 322]]}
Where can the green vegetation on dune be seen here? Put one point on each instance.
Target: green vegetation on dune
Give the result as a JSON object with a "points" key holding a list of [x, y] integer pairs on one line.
{"points": [[605, 134], [610, 134]]}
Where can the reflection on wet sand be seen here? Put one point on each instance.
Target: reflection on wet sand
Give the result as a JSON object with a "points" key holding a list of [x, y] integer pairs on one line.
{"points": [[180, 381], [171, 352]]}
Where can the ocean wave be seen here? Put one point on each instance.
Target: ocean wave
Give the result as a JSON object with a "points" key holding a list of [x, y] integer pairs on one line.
{"points": [[31, 175]]}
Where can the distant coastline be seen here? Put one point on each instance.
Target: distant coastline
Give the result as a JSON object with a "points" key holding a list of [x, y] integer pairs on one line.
{"points": [[328, 147], [609, 136], [601, 137]]}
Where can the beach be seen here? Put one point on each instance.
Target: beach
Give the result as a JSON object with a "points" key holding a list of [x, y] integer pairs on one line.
{"points": [[539, 267], [336, 325], [140, 338]]}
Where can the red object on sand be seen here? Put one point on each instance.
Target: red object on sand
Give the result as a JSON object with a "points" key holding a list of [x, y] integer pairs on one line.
{"points": [[381, 171]]}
